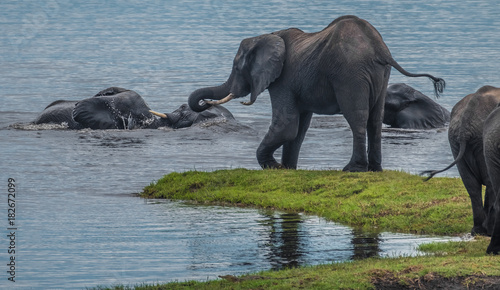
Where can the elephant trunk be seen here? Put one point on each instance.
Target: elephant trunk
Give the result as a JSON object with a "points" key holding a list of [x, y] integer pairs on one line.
{"points": [[198, 100]]}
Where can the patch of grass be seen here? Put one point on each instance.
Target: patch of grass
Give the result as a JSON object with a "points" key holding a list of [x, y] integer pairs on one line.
{"points": [[389, 200]]}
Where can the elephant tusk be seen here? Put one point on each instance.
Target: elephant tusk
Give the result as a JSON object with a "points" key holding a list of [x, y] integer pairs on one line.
{"points": [[158, 114], [247, 103], [222, 101]]}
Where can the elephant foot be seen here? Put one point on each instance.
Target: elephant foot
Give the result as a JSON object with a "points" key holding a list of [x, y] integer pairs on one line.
{"points": [[479, 231], [355, 168], [272, 165], [375, 168], [494, 246]]}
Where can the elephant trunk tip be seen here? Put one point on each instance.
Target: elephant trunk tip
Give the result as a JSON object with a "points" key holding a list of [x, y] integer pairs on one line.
{"points": [[196, 100]]}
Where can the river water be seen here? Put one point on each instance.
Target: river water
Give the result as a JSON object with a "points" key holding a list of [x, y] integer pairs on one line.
{"points": [[78, 222]]}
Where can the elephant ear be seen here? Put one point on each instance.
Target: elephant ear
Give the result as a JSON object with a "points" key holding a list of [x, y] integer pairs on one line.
{"points": [[266, 62], [94, 113]]}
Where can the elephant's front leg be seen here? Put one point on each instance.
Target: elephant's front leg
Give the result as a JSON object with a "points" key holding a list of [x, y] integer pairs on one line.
{"points": [[284, 128]]}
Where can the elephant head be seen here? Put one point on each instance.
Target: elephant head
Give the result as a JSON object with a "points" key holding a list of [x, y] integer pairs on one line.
{"points": [[113, 108], [408, 108], [257, 64]]}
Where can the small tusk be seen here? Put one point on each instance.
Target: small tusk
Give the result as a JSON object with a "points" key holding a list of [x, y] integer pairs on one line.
{"points": [[222, 101], [158, 114], [247, 103]]}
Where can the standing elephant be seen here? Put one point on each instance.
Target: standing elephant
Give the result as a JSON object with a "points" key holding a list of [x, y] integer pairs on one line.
{"points": [[408, 108], [465, 135], [118, 108], [491, 145], [342, 69]]}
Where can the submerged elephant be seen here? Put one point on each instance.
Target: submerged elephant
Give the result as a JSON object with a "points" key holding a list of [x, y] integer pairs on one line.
{"points": [[118, 108], [465, 135], [491, 145], [342, 69], [408, 108]]}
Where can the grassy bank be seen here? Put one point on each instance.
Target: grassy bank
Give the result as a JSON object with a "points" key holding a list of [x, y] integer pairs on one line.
{"points": [[389, 200]]}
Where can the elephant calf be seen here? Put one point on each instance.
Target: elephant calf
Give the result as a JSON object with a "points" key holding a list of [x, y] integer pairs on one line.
{"points": [[408, 108], [118, 108], [465, 135]]}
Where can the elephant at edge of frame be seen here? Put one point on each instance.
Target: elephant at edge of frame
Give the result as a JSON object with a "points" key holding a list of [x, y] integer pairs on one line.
{"points": [[343, 68], [407, 108], [465, 135], [491, 146], [118, 108]]}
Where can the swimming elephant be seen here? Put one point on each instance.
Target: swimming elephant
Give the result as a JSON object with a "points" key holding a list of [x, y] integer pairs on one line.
{"points": [[118, 108], [342, 69], [408, 108], [465, 135], [491, 145]]}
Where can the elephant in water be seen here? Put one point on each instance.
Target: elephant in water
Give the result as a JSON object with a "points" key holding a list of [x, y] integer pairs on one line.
{"points": [[465, 135], [408, 108], [118, 108], [344, 69]]}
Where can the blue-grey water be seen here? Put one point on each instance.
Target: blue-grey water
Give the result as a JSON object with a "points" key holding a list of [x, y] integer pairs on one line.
{"points": [[78, 223]]}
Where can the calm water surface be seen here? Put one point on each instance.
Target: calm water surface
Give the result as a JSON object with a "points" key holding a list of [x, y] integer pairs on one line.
{"points": [[79, 222]]}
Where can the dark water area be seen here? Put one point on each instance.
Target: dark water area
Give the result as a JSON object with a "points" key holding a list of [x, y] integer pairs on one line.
{"points": [[78, 221]]}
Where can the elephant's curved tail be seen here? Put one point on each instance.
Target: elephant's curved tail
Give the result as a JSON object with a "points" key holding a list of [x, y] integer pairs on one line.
{"points": [[439, 83], [431, 173]]}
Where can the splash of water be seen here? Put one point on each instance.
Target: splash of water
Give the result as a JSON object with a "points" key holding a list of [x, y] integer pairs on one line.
{"points": [[37, 127]]}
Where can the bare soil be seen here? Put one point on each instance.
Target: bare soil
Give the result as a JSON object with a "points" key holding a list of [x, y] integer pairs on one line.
{"points": [[432, 281]]}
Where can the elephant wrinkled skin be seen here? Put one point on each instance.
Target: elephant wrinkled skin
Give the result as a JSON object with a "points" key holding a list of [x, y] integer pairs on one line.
{"points": [[118, 108], [465, 135], [344, 69], [408, 108]]}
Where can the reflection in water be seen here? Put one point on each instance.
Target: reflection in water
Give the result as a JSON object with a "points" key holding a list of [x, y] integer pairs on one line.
{"points": [[288, 237], [284, 239], [366, 244]]}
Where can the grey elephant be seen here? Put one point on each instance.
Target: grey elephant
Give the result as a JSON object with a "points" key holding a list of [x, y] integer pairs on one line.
{"points": [[118, 108], [408, 108], [491, 146], [342, 69], [465, 135]]}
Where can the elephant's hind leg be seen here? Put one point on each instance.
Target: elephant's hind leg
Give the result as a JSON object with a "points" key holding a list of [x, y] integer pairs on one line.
{"points": [[291, 149], [357, 120], [374, 129]]}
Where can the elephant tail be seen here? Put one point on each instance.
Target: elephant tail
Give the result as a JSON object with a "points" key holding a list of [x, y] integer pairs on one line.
{"points": [[431, 173], [439, 83]]}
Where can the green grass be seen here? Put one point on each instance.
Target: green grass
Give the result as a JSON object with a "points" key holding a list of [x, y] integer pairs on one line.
{"points": [[389, 200]]}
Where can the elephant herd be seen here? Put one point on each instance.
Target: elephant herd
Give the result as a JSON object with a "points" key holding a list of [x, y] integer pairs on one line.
{"points": [[342, 69]]}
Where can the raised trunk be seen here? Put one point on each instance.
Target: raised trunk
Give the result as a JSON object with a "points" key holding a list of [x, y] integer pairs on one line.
{"points": [[197, 98]]}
